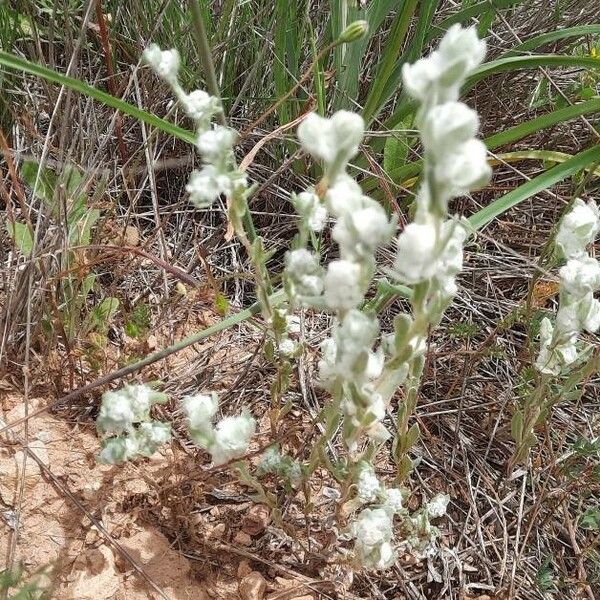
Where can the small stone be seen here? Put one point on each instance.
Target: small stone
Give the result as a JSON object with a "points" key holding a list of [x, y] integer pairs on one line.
{"points": [[256, 519], [253, 586], [131, 236], [243, 569], [90, 490], [217, 532], [242, 539]]}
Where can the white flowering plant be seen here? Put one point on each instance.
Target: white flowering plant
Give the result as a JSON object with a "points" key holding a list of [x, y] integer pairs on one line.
{"points": [[360, 367], [560, 346]]}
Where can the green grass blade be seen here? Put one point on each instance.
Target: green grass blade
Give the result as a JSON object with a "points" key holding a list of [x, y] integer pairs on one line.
{"points": [[502, 138], [342, 14], [518, 132], [426, 33], [390, 57], [463, 15], [534, 186], [553, 36], [548, 156], [348, 79], [511, 63], [12, 62]]}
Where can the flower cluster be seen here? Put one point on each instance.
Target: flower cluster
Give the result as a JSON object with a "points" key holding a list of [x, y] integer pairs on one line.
{"points": [[373, 528], [579, 279], [420, 534], [125, 424], [218, 174], [226, 440], [430, 249], [429, 252], [373, 531], [348, 362]]}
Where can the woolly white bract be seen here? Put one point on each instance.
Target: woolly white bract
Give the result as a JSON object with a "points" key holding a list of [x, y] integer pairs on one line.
{"points": [[438, 78], [368, 486], [334, 141], [227, 440], [373, 531], [125, 424]]}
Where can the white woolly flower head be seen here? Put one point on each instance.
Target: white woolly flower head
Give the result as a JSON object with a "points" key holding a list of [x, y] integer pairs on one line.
{"points": [[360, 232], [122, 408], [116, 413], [588, 313], [148, 437], [368, 486], [165, 63], [344, 196], [394, 499], [232, 437], [578, 229], [270, 460], [343, 285], [580, 276], [352, 339], [555, 353], [437, 506], [311, 209], [335, 140], [448, 125], [304, 274], [373, 532], [462, 51], [464, 169], [415, 252], [422, 255], [439, 76], [200, 410], [357, 331], [207, 184], [287, 347], [201, 106], [215, 144]]}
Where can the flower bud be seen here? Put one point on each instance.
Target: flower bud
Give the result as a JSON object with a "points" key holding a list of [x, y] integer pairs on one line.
{"points": [[353, 32]]}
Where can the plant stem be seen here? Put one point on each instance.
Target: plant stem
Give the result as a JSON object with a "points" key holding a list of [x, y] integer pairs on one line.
{"points": [[205, 54]]}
